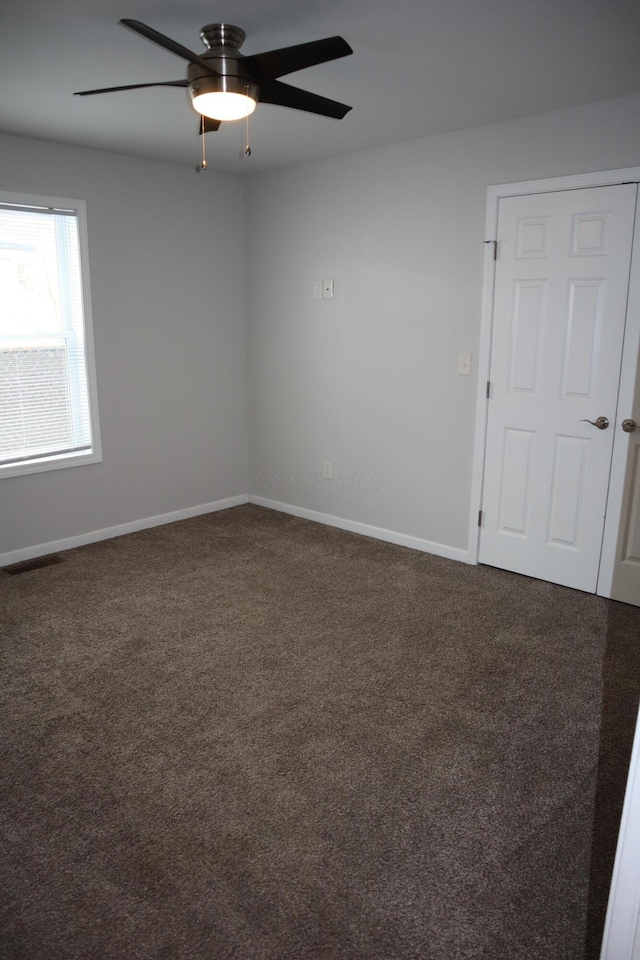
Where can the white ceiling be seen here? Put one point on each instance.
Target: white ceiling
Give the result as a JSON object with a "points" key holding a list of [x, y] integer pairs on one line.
{"points": [[419, 67]]}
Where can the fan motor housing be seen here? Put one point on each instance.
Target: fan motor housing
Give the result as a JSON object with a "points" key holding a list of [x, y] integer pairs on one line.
{"points": [[224, 64], [222, 35], [223, 41], [225, 83]]}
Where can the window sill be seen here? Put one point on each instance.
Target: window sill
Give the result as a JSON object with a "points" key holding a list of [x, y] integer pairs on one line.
{"points": [[54, 462]]}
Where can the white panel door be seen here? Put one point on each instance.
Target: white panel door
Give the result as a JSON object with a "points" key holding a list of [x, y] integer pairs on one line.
{"points": [[620, 564], [625, 581], [561, 285]]}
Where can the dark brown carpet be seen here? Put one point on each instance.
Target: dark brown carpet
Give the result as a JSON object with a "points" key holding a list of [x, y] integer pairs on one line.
{"points": [[251, 737]]}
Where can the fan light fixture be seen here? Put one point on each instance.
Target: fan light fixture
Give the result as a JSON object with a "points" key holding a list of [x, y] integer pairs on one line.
{"points": [[224, 98], [224, 84]]}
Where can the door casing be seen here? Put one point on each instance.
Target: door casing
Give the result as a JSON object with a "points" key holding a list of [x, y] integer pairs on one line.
{"points": [[494, 194]]}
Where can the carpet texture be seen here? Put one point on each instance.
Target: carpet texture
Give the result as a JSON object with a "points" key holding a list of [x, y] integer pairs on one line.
{"points": [[250, 737]]}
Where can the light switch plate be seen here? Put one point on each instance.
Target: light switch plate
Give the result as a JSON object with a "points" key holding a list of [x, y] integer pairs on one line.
{"points": [[464, 364]]}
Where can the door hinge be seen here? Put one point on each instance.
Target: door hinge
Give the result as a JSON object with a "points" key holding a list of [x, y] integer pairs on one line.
{"points": [[479, 518], [495, 248], [488, 393]]}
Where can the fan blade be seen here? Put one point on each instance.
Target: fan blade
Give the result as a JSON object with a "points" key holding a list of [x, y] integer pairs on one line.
{"points": [[168, 44], [133, 86], [209, 125], [277, 63], [285, 96]]}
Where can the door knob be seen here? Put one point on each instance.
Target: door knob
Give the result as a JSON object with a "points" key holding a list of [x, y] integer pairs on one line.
{"points": [[601, 423], [629, 426]]}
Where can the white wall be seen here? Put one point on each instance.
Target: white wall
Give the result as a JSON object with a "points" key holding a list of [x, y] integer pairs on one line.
{"points": [[167, 278], [368, 380]]}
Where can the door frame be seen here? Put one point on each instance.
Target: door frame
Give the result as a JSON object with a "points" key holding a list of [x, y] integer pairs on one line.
{"points": [[494, 195], [622, 925]]}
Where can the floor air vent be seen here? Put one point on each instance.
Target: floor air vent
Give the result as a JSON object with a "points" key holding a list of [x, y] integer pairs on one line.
{"points": [[34, 564]]}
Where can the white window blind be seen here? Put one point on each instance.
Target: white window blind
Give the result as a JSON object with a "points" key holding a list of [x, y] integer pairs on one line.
{"points": [[45, 397]]}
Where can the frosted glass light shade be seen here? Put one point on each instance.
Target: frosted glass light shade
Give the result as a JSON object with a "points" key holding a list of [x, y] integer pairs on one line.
{"points": [[224, 97], [223, 105]]}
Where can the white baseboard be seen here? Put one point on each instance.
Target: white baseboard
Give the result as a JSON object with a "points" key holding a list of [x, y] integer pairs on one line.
{"points": [[353, 526], [365, 529], [55, 546]]}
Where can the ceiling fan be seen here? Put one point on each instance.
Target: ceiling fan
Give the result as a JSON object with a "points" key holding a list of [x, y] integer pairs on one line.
{"points": [[224, 84]]}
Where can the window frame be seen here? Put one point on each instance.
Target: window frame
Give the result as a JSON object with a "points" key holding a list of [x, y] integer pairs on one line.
{"points": [[60, 461]]}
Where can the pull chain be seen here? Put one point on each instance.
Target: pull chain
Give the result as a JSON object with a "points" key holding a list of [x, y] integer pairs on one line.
{"points": [[247, 145], [203, 137]]}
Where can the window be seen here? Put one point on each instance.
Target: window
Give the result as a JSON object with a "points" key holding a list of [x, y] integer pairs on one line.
{"points": [[48, 402]]}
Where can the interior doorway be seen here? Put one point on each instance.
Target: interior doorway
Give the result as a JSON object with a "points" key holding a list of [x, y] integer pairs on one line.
{"points": [[557, 466]]}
